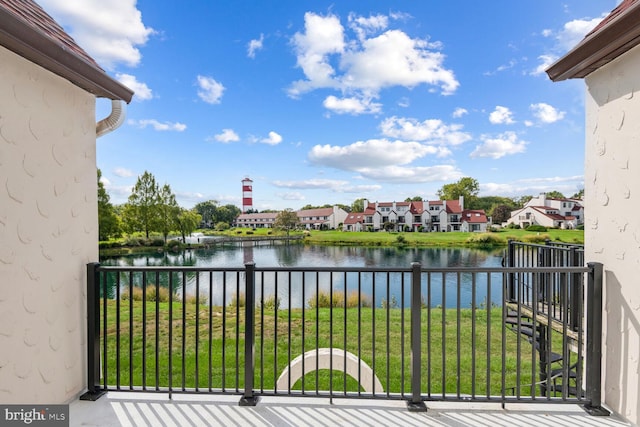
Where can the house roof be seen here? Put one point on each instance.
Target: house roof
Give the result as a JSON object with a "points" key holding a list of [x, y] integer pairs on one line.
{"points": [[27, 30], [453, 206], [315, 212], [614, 35], [354, 218], [477, 216], [254, 216]]}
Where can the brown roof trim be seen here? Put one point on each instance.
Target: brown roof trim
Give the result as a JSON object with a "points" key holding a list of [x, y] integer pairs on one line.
{"points": [[600, 47], [37, 47]]}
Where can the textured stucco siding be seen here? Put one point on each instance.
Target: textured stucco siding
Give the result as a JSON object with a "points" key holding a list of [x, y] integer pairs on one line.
{"points": [[612, 226], [48, 231]]}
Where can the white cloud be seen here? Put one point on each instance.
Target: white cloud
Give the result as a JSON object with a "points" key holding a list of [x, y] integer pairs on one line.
{"points": [[363, 66], [159, 126], [434, 131], [374, 153], [501, 115], [500, 146], [412, 175], [273, 139], [142, 91], [226, 136], [323, 36], [545, 62], [574, 31], [293, 195], [395, 59], [337, 186], [545, 113], [568, 185], [105, 181], [123, 173], [111, 32], [459, 112], [366, 26], [351, 105], [566, 39], [254, 45], [210, 90]]}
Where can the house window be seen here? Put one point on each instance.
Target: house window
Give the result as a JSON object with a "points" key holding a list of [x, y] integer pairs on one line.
{"points": [[435, 218]]}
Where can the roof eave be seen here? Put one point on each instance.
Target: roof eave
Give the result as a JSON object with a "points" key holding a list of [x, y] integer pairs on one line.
{"points": [[599, 48], [40, 49]]}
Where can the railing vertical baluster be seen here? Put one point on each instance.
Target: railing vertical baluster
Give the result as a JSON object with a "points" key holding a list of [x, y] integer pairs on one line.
{"points": [[144, 330], [594, 341], [248, 398], [511, 262], [416, 403], [93, 333]]}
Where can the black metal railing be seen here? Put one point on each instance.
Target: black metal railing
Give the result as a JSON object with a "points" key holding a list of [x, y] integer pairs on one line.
{"points": [[412, 333]]}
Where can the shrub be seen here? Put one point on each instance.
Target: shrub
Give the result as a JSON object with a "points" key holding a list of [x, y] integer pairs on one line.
{"points": [[238, 301], [249, 232], [535, 238], [400, 239], [486, 239], [173, 244], [271, 302], [221, 226], [137, 294], [325, 300], [154, 241], [536, 228], [392, 303]]}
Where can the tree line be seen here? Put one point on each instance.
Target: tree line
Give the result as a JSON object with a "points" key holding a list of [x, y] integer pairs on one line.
{"points": [[152, 208]]}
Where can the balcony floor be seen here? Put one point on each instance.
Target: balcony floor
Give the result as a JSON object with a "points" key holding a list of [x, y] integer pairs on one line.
{"points": [[141, 409]]}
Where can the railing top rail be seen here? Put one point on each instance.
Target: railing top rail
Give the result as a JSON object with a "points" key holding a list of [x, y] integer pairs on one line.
{"points": [[577, 269], [550, 244]]}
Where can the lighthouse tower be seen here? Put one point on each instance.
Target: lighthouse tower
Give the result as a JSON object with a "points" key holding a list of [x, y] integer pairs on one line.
{"points": [[247, 195]]}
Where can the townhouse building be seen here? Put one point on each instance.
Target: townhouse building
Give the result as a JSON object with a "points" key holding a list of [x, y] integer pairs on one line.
{"points": [[549, 212], [428, 216], [311, 219]]}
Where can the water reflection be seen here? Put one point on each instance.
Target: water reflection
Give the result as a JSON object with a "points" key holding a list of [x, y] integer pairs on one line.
{"points": [[297, 289]]}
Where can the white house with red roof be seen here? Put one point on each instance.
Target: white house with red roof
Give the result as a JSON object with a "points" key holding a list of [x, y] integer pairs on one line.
{"points": [[549, 212], [428, 216]]}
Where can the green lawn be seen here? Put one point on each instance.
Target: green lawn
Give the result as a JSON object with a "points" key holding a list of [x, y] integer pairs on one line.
{"points": [[200, 356], [336, 237]]}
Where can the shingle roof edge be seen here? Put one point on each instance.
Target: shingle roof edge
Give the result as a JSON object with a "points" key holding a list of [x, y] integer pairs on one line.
{"points": [[37, 47]]}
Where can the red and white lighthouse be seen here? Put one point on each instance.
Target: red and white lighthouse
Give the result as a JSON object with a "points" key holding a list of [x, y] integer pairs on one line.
{"points": [[247, 195]]}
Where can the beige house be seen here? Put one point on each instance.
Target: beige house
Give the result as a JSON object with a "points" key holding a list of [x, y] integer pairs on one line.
{"points": [[256, 220], [48, 206], [322, 218], [608, 59]]}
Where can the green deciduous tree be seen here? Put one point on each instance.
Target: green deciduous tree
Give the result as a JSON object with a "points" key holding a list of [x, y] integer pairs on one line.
{"points": [[286, 221], [555, 195], [108, 222], [141, 210], [208, 211], [168, 211], [466, 187], [501, 213], [187, 222], [358, 205], [413, 199]]}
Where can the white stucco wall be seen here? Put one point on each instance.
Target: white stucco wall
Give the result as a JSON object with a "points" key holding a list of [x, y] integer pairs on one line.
{"points": [[48, 231], [612, 227]]}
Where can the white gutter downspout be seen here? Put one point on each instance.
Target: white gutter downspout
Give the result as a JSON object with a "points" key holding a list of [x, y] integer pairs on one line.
{"points": [[113, 121]]}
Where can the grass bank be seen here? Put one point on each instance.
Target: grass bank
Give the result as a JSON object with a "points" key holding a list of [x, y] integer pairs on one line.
{"points": [[349, 238], [199, 346]]}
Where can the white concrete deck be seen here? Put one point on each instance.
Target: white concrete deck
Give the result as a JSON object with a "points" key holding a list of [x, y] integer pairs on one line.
{"points": [[138, 409]]}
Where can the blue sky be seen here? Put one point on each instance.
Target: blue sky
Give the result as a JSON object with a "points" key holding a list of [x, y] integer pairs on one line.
{"points": [[326, 102]]}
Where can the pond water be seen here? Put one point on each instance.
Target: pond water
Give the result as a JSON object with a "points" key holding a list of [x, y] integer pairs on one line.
{"points": [[443, 289]]}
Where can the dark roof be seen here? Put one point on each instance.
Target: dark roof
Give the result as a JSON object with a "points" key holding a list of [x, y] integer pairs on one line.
{"points": [[614, 35], [27, 30]]}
